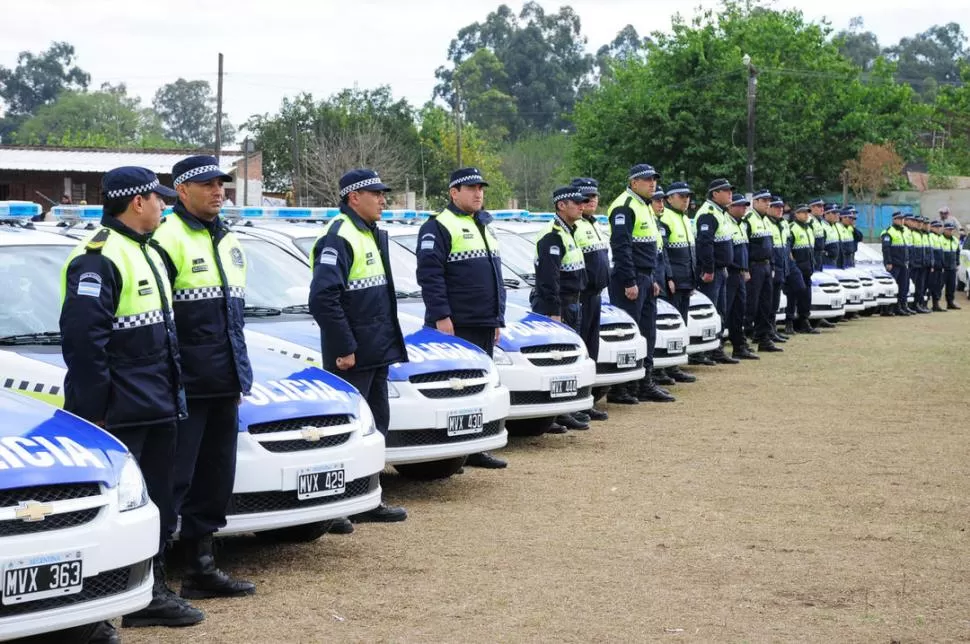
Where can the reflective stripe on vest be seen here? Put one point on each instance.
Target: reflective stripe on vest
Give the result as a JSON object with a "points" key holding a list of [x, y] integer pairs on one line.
{"points": [[644, 219], [588, 238], [681, 233], [572, 259], [802, 236], [843, 231], [367, 271], [831, 234], [193, 253], [738, 235], [466, 237], [759, 227]]}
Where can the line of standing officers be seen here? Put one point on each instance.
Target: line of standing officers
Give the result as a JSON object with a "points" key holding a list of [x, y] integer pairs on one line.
{"points": [[926, 253]]}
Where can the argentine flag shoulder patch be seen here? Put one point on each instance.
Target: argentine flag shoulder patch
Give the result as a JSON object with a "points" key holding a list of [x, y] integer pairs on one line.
{"points": [[328, 256], [89, 284]]}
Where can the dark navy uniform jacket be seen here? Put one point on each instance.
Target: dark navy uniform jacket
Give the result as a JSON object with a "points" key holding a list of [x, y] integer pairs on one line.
{"points": [[712, 254], [554, 285]]}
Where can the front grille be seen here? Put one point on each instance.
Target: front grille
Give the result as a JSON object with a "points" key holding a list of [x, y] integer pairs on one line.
{"points": [[542, 397], [702, 315], [630, 332], [551, 362], [60, 521], [445, 376], [296, 424], [448, 392], [830, 289], [48, 493], [258, 502], [418, 437], [612, 368], [299, 445], [546, 348], [669, 322], [110, 582], [852, 285]]}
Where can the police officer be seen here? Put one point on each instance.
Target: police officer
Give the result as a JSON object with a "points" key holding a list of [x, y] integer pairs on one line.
{"points": [[832, 254], [739, 276], [677, 235], [633, 239], [817, 210], [460, 273], [895, 257], [122, 355], [207, 268], [661, 273], [917, 262], [715, 252], [759, 317], [596, 256], [781, 263], [936, 270], [803, 257], [849, 235], [352, 299], [951, 263]]}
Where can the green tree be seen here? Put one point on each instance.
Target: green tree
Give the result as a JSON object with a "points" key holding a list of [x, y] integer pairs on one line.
{"points": [[187, 110], [949, 152], [483, 83], [683, 108], [931, 58], [106, 118], [628, 45], [535, 166], [37, 80], [861, 47]]}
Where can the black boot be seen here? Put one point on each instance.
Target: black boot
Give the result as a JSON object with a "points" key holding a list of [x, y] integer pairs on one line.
{"points": [[937, 308], [679, 375], [804, 326], [596, 414], [825, 324], [952, 305], [166, 608], [777, 337], [569, 422], [104, 633], [790, 327], [648, 391], [341, 526], [485, 461], [203, 580], [621, 395], [381, 514], [661, 378], [745, 353], [719, 356], [768, 346], [701, 359]]}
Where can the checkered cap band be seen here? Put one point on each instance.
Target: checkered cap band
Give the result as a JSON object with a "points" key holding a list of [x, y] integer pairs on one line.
{"points": [[588, 191], [570, 195], [367, 282], [472, 179], [642, 173], [762, 194], [471, 254], [678, 191], [132, 191], [138, 320], [360, 184], [194, 172], [207, 293]]}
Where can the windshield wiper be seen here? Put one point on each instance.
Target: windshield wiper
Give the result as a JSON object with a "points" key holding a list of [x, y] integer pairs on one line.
{"points": [[46, 337], [261, 311], [296, 308]]}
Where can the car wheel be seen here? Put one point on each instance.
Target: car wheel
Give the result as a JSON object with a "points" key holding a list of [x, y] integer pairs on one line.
{"points": [[305, 533], [528, 426], [431, 470]]}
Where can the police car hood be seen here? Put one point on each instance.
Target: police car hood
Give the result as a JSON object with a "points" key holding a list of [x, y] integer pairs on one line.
{"points": [[523, 328], [839, 274], [699, 299], [820, 279], [866, 271], [429, 350], [281, 389], [41, 445], [612, 314]]}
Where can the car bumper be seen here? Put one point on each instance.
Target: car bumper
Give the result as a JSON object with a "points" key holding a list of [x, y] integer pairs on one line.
{"points": [[529, 387], [826, 305], [670, 349], [607, 370]]}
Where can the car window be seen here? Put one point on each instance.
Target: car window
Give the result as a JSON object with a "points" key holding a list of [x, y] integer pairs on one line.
{"points": [[274, 277], [517, 252], [30, 288]]}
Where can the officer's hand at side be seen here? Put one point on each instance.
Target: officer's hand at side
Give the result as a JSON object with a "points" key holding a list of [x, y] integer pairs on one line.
{"points": [[498, 334], [631, 292], [445, 326], [671, 286], [656, 289], [707, 278], [346, 362], [558, 318], [747, 276], [889, 267]]}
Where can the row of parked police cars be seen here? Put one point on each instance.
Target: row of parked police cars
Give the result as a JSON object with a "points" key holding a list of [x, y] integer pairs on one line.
{"points": [[77, 530]]}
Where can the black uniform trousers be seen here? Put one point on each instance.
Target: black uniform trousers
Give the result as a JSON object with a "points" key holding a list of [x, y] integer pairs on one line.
{"points": [[482, 337], [777, 286], [737, 300], [643, 310], [589, 327], [680, 300], [918, 275], [372, 385], [798, 288], [205, 465], [901, 275], [716, 291], [950, 283], [758, 312], [935, 284], [153, 446]]}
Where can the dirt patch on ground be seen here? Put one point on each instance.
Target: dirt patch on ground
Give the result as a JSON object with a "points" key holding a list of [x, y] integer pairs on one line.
{"points": [[817, 495]]}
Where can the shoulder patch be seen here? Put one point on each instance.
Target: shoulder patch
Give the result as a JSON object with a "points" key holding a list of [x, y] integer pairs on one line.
{"points": [[619, 220], [89, 284], [97, 242], [705, 227], [553, 250], [328, 256], [427, 241]]}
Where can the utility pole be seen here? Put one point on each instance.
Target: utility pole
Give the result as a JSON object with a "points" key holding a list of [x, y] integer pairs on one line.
{"points": [[245, 171], [219, 113], [752, 89], [296, 166], [458, 119]]}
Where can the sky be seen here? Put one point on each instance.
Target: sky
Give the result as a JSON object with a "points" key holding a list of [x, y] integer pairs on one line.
{"points": [[281, 48]]}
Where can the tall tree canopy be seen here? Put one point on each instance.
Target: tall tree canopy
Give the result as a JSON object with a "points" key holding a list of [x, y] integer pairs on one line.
{"points": [[187, 110]]}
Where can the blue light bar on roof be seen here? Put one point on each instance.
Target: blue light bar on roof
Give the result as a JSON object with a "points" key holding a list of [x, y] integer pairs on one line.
{"points": [[400, 215], [279, 213], [509, 215], [540, 216], [602, 219], [76, 213], [19, 209]]}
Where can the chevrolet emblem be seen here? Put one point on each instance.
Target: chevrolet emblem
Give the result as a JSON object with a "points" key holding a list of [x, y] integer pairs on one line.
{"points": [[31, 511], [312, 434], [457, 384], [555, 355]]}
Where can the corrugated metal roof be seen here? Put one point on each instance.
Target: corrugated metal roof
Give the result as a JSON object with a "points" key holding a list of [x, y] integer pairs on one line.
{"points": [[59, 160]]}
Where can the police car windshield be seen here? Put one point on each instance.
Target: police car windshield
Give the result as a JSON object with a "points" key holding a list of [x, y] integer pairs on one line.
{"points": [[868, 254], [30, 286], [275, 279], [518, 253], [404, 268]]}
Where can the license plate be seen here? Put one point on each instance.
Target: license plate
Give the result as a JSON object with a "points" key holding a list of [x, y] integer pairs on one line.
{"points": [[42, 577], [626, 359], [708, 332], [563, 387], [836, 304], [323, 480], [465, 421], [675, 346]]}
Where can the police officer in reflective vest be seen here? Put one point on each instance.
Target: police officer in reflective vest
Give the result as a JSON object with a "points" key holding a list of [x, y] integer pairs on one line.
{"points": [[803, 257], [759, 317], [677, 235], [207, 268], [817, 209], [895, 257], [917, 262], [596, 256], [352, 299], [936, 276], [561, 276], [739, 277], [122, 355], [460, 273], [951, 263], [633, 239], [832, 254], [781, 264], [715, 252], [849, 235]]}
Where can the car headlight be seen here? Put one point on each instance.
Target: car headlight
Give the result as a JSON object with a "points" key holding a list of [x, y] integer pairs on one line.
{"points": [[132, 493], [493, 377], [392, 391], [501, 357], [583, 351], [366, 417]]}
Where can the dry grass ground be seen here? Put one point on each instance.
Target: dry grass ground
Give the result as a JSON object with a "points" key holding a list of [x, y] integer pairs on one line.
{"points": [[818, 495]]}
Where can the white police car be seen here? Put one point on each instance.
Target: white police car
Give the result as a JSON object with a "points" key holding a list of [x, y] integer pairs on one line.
{"points": [[703, 324], [828, 297], [298, 424], [869, 259], [855, 294], [77, 530]]}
